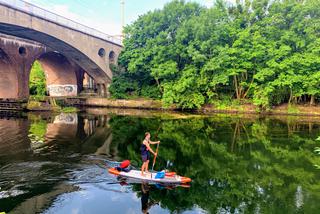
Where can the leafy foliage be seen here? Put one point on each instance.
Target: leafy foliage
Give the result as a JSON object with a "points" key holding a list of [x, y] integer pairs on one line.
{"points": [[266, 51], [37, 82]]}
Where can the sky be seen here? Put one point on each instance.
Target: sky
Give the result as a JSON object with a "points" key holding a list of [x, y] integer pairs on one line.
{"points": [[104, 15]]}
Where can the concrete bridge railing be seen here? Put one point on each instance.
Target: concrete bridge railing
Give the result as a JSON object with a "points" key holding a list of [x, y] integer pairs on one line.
{"points": [[50, 16]]}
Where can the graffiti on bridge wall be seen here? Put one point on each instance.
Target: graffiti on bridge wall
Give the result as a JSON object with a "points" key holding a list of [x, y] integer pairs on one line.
{"points": [[62, 90]]}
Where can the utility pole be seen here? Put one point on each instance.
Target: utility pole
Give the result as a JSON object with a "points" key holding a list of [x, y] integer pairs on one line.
{"points": [[122, 18]]}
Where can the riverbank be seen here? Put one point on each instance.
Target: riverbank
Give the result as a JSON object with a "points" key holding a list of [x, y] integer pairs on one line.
{"points": [[49, 104], [148, 104]]}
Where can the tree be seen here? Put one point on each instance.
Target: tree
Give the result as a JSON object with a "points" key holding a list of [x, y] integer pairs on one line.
{"points": [[265, 51], [37, 81]]}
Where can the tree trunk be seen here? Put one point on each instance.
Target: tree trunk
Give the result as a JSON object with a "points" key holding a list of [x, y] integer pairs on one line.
{"points": [[245, 94], [160, 89], [290, 98], [236, 86], [312, 100], [310, 127]]}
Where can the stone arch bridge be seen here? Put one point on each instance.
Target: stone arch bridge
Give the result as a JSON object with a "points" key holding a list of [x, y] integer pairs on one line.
{"points": [[68, 51]]}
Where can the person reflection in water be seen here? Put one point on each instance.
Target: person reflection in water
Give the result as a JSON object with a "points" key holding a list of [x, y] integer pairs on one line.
{"points": [[145, 204]]}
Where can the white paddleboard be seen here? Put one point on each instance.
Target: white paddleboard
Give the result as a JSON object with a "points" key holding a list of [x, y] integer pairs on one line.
{"points": [[170, 178]]}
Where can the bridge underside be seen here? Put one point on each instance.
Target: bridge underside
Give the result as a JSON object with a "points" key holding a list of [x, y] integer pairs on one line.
{"points": [[64, 77], [80, 50], [57, 45]]}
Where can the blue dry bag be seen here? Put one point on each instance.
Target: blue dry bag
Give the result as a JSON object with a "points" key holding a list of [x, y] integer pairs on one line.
{"points": [[160, 174]]}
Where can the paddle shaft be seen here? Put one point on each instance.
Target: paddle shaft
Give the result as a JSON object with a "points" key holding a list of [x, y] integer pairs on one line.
{"points": [[155, 157]]}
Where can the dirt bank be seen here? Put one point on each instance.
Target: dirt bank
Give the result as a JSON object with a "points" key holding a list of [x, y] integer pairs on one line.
{"points": [[284, 109]]}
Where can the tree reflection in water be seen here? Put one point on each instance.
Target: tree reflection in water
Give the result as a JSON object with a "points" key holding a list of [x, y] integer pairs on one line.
{"points": [[237, 163]]}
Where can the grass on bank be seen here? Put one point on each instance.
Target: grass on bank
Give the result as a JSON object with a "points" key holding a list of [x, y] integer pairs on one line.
{"points": [[293, 109], [43, 103], [230, 104], [69, 109]]}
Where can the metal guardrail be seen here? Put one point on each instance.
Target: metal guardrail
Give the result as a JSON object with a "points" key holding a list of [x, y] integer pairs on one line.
{"points": [[50, 16]]}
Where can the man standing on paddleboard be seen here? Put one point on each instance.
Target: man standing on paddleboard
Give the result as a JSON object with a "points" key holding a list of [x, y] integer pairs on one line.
{"points": [[145, 152]]}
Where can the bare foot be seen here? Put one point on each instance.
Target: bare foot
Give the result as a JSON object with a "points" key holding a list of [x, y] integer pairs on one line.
{"points": [[142, 174]]}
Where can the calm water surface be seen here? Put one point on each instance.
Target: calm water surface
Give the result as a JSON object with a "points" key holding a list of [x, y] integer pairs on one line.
{"points": [[239, 164]]}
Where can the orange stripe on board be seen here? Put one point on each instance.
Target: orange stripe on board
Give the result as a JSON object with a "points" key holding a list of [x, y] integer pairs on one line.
{"points": [[113, 171], [185, 180], [170, 174]]}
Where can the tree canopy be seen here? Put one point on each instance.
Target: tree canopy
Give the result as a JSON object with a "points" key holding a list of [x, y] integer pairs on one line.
{"points": [[265, 51], [37, 82]]}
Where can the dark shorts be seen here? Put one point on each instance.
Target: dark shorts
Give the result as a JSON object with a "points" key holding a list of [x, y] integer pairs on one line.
{"points": [[145, 157]]}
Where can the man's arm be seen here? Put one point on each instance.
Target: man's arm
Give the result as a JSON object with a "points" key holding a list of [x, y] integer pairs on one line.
{"points": [[149, 148], [154, 142]]}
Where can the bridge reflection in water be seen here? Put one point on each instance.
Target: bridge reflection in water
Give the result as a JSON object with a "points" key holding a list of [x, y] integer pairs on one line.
{"points": [[85, 134], [39, 152], [14, 136]]}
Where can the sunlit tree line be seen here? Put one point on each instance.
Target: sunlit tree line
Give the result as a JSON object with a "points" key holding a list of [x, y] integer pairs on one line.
{"points": [[262, 51]]}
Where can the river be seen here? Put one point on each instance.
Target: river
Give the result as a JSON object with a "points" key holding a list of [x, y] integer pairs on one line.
{"points": [[57, 163]]}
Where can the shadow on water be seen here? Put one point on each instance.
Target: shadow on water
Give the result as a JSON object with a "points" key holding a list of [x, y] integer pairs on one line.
{"points": [[58, 163]]}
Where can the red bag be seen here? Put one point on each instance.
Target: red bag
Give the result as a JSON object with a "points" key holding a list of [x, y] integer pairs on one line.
{"points": [[125, 164]]}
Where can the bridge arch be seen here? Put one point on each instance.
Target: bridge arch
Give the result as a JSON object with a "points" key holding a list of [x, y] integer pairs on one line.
{"points": [[61, 74], [75, 41]]}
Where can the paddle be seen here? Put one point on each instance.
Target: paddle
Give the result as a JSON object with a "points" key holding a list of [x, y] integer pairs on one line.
{"points": [[154, 159]]}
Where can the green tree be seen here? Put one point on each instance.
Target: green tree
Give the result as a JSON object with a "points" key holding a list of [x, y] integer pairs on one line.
{"points": [[265, 51], [37, 81]]}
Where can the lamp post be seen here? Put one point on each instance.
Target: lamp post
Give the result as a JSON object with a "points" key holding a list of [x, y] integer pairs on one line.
{"points": [[122, 18]]}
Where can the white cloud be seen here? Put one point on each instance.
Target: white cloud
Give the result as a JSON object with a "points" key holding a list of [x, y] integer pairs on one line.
{"points": [[93, 20], [209, 3], [63, 10], [231, 1], [105, 26]]}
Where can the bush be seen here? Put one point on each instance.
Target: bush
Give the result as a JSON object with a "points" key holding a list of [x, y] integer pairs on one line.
{"points": [[150, 91], [37, 82]]}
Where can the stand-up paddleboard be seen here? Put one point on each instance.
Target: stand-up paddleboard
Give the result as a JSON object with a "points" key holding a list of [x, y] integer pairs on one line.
{"points": [[169, 178]]}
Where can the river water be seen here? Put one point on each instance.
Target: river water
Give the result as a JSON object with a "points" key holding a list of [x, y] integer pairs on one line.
{"points": [[57, 163]]}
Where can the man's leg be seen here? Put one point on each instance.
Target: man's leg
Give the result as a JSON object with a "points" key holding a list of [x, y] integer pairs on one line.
{"points": [[147, 166], [143, 167]]}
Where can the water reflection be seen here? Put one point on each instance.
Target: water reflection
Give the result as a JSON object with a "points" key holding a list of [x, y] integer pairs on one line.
{"points": [[63, 127], [14, 136], [57, 163], [89, 134], [146, 204]]}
